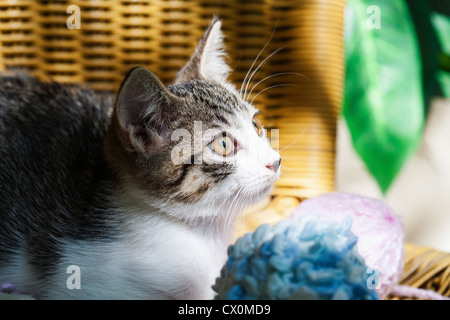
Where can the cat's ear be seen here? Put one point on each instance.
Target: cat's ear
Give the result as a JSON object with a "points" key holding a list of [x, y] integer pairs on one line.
{"points": [[143, 107], [208, 61]]}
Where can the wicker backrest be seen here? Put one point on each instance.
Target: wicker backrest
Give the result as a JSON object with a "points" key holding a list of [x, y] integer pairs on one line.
{"points": [[301, 98]]}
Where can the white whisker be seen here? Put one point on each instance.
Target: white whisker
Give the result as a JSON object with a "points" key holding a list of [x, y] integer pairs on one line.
{"points": [[217, 212], [257, 57], [259, 67], [233, 208], [276, 75], [241, 210], [239, 60], [250, 69], [295, 140], [229, 211], [274, 86], [284, 168], [243, 205]]}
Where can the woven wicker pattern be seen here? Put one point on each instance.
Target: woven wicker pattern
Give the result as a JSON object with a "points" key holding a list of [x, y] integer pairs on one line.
{"points": [[296, 79], [427, 268]]}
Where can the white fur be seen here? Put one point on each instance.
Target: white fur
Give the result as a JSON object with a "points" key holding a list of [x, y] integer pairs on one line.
{"points": [[157, 259], [19, 273], [212, 63]]}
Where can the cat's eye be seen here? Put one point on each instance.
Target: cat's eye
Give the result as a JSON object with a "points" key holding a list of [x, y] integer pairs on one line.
{"points": [[258, 126], [222, 145]]}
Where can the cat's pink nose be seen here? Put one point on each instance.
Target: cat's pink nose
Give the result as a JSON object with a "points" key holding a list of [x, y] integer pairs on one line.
{"points": [[274, 166]]}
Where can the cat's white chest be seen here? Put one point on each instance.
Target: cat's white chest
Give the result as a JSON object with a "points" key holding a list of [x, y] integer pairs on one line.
{"points": [[183, 261], [153, 259]]}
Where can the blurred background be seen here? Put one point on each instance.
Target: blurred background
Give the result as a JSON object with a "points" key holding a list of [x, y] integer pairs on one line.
{"points": [[394, 133]]}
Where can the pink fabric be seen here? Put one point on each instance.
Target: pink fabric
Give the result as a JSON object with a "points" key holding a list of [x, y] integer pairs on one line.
{"points": [[379, 231]]}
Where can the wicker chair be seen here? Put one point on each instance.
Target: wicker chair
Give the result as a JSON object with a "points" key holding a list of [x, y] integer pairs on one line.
{"points": [[299, 88]]}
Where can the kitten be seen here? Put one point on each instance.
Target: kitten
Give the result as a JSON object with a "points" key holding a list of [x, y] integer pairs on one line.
{"points": [[134, 200]]}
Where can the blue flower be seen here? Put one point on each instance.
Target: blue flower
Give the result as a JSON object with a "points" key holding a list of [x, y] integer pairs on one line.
{"points": [[307, 259]]}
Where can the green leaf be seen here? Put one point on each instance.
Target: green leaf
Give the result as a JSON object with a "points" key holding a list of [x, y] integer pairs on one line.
{"points": [[421, 13], [442, 25], [444, 80], [383, 100]]}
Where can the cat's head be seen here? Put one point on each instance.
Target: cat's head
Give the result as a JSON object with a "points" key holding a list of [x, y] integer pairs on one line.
{"points": [[195, 144]]}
